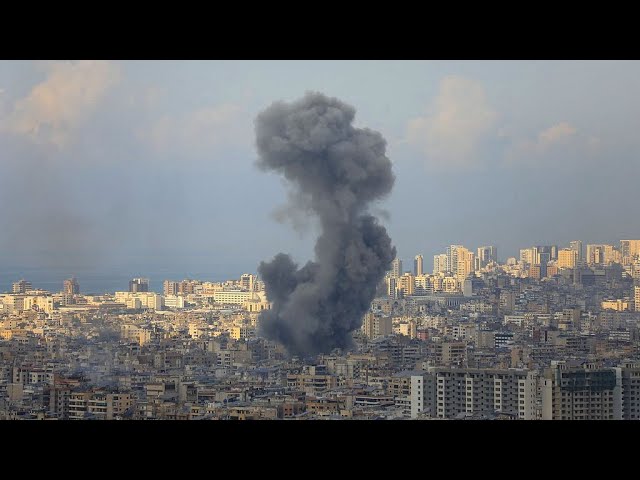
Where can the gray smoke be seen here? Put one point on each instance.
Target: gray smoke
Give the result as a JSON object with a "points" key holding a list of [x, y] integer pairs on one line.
{"points": [[336, 171]]}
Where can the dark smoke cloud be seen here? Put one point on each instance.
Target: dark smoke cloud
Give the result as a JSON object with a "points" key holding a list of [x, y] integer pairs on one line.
{"points": [[336, 171]]}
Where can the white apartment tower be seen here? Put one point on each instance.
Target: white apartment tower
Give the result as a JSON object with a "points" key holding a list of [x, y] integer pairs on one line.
{"points": [[440, 263], [418, 268], [396, 268]]}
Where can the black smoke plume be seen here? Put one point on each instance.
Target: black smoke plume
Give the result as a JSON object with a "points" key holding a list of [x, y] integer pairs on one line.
{"points": [[336, 171]]}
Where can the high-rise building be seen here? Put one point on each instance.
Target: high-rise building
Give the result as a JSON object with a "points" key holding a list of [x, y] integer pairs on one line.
{"points": [[247, 282], [584, 393], [629, 251], [440, 263], [636, 298], [452, 257], [635, 269], [487, 255], [603, 254], [550, 252], [628, 375], [595, 254], [187, 286], [418, 265], [21, 286], [392, 287], [375, 326], [169, 287], [543, 261], [407, 283], [139, 285], [71, 286], [451, 392], [529, 255], [396, 268], [576, 246], [611, 255], [466, 263], [567, 258], [535, 272], [424, 285]]}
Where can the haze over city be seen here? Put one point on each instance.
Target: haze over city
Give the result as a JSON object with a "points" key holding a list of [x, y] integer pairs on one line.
{"points": [[319, 240], [141, 166]]}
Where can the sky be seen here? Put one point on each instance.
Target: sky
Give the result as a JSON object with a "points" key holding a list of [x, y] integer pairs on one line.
{"points": [[149, 166]]}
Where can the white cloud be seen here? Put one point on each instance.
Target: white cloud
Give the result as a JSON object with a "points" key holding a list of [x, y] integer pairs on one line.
{"points": [[555, 134], [199, 129], [56, 107], [561, 142], [454, 127]]}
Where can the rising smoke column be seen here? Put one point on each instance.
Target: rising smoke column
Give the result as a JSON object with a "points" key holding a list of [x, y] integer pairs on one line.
{"points": [[336, 171]]}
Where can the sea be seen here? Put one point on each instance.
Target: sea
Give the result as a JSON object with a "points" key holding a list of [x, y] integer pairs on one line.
{"points": [[99, 281]]}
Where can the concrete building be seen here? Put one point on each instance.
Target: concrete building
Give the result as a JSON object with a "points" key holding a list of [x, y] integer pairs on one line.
{"points": [[71, 286], [628, 377], [466, 263], [455, 393], [576, 246], [580, 393], [409, 329], [422, 394], [233, 297], [452, 257], [139, 285], [551, 250], [450, 353], [21, 286], [247, 282], [375, 326], [392, 287], [99, 405], [487, 255], [173, 301], [440, 263], [418, 265], [567, 258], [528, 255], [135, 333], [535, 271], [602, 254], [140, 300], [242, 332], [424, 285], [169, 287], [42, 303], [629, 250], [396, 268], [407, 284], [314, 381], [618, 305]]}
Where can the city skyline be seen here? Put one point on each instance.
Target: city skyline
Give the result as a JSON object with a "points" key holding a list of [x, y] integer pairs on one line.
{"points": [[500, 153], [479, 340], [567, 256], [155, 283]]}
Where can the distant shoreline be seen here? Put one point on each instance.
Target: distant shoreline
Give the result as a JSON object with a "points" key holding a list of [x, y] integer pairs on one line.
{"points": [[99, 283]]}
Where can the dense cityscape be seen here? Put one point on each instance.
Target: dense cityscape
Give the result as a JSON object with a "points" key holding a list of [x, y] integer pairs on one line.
{"points": [[551, 335], [274, 240]]}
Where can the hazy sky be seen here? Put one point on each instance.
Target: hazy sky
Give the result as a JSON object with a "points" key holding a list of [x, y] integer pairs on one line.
{"points": [[151, 163]]}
